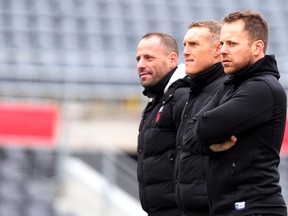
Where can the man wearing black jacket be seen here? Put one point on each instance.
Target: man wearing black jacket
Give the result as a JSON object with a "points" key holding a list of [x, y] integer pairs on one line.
{"points": [[203, 66], [157, 57], [244, 179]]}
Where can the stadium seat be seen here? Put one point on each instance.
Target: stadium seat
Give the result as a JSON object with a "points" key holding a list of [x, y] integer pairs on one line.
{"points": [[284, 149], [28, 124]]}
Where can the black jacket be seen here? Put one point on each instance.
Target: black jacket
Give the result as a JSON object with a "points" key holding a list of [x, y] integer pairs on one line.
{"points": [[191, 169], [156, 149], [244, 180]]}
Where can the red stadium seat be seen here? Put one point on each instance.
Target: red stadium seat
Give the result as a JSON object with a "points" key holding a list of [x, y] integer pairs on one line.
{"points": [[28, 124], [284, 149]]}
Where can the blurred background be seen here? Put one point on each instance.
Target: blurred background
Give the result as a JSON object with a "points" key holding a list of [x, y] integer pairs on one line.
{"points": [[71, 101]]}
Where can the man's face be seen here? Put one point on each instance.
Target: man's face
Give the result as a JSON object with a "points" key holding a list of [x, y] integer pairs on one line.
{"points": [[236, 49], [153, 61], [199, 53]]}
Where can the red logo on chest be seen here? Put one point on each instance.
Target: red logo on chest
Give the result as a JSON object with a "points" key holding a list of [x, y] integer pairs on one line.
{"points": [[159, 113]]}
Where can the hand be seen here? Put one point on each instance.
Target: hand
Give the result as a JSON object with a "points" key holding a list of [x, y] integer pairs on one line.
{"points": [[225, 145]]}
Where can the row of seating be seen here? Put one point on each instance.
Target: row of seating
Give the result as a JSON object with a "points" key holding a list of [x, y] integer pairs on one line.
{"points": [[51, 41], [28, 180]]}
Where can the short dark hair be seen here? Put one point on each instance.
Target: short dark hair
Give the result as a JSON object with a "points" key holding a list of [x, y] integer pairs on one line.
{"points": [[213, 26], [255, 24], [166, 40]]}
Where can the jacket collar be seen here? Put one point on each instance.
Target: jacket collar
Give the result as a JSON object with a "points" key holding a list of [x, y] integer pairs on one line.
{"points": [[265, 65], [201, 80], [158, 90]]}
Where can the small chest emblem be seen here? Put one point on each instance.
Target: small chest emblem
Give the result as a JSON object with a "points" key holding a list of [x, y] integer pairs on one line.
{"points": [[240, 205], [159, 113]]}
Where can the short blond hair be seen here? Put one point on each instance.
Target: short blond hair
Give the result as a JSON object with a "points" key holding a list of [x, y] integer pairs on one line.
{"points": [[213, 26]]}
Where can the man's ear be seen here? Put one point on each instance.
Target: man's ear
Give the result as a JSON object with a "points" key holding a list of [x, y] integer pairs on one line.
{"points": [[173, 59], [217, 50], [258, 47]]}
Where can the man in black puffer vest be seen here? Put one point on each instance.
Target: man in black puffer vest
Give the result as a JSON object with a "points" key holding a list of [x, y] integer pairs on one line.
{"points": [[157, 56], [203, 66]]}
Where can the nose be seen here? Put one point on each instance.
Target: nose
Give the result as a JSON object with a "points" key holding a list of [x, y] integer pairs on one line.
{"points": [[186, 51], [140, 64], [223, 49]]}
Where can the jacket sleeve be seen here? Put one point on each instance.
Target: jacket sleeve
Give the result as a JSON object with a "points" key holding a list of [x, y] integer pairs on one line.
{"points": [[249, 106]]}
